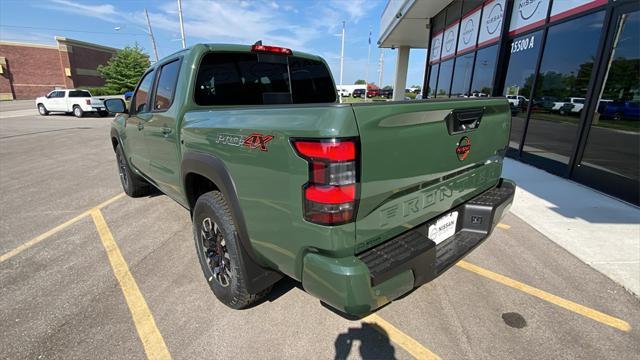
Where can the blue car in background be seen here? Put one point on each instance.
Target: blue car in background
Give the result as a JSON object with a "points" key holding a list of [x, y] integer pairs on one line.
{"points": [[618, 110], [128, 95]]}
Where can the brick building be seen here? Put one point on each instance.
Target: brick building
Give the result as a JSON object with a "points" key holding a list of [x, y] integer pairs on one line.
{"points": [[31, 70]]}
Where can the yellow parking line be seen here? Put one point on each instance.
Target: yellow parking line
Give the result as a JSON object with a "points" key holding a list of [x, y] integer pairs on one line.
{"points": [[8, 255], [556, 300], [403, 340], [503, 226], [152, 340]]}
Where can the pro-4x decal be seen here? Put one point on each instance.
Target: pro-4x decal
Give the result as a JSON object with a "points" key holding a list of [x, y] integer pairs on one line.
{"points": [[253, 141]]}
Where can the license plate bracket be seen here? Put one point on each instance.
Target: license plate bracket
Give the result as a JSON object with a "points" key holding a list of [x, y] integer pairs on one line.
{"points": [[443, 228]]}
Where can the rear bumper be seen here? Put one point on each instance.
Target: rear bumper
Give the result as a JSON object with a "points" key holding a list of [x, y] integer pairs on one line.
{"points": [[360, 284]]}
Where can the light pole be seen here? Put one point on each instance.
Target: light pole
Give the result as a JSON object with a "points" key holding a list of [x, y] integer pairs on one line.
{"points": [[148, 32], [153, 39]]}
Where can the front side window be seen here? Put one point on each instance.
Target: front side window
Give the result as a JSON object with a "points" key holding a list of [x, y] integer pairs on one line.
{"points": [[166, 86], [141, 96]]}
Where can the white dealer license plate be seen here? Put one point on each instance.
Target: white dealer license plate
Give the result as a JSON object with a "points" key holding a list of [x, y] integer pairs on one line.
{"points": [[444, 228]]}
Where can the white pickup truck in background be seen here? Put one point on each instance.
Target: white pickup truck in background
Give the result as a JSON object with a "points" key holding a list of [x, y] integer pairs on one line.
{"points": [[75, 101]]}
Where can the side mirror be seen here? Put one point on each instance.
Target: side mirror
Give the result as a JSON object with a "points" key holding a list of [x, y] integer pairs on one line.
{"points": [[115, 106]]}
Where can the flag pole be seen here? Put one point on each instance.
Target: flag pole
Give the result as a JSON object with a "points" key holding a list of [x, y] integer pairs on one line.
{"points": [[341, 60], [366, 77], [381, 68]]}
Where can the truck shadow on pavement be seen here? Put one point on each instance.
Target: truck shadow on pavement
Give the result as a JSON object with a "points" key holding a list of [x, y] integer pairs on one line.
{"points": [[374, 343]]}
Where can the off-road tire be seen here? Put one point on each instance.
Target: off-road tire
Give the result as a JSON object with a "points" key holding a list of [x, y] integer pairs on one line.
{"points": [[43, 110], [235, 295], [77, 111], [132, 184]]}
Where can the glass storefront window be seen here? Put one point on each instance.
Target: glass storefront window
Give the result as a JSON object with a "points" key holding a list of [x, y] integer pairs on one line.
{"points": [[613, 145], [433, 79], [561, 87], [482, 84], [519, 81], [444, 79], [462, 76]]}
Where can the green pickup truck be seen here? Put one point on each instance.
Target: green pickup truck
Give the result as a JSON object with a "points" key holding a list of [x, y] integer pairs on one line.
{"points": [[361, 203]]}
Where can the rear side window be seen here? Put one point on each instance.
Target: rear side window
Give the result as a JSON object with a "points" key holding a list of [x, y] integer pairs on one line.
{"points": [[141, 96], [166, 86], [258, 79], [311, 82], [79, 93]]}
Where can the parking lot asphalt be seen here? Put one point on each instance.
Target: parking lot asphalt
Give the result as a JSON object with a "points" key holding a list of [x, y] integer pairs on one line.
{"points": [[131, 287]]}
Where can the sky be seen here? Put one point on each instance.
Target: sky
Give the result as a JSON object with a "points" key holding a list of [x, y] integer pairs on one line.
{"points": [[305, 25]]}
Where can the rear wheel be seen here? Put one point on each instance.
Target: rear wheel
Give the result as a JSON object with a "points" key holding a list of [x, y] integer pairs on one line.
{"points": [[219, 251], [42, 110], [132, 184], [77, 111]]}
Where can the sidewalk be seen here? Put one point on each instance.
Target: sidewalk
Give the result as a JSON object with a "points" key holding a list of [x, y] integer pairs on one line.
{"points": [[598, 229]]}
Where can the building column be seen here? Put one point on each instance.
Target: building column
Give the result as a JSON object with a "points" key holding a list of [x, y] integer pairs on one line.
{"points": [[402, 64]]}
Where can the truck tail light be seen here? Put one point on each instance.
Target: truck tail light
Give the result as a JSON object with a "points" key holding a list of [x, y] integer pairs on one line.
{"points": [[331, 194], [88, 101]]}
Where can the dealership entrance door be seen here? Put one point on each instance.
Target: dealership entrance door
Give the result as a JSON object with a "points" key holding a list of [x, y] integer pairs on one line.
{"points": [[608, 153]]}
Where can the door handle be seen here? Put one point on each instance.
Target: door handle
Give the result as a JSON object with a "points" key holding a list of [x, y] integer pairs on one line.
{"points": [[140, 126], [166, 131]]}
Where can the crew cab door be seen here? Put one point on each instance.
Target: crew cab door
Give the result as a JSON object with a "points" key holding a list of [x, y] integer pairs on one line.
{"points": [[139, 115], [55, 101], [161, 135]]}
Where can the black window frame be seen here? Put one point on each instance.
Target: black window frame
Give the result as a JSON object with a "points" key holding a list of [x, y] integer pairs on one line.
{"points": [[156, 81]]}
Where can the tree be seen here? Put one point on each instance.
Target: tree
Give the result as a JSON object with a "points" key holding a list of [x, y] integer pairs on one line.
{"points": [[124, 69], [417, 87], [388, 87], [359, 82]]}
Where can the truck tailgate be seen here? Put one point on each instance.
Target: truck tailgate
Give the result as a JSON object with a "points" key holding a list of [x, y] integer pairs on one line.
{"points": [[421, 159]]}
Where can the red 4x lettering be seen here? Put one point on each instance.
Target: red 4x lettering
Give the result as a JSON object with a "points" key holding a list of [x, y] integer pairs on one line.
{"points": [[256, 140]]}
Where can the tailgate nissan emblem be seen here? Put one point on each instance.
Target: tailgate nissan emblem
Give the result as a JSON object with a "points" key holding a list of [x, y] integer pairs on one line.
{"points": [[463, 148]]}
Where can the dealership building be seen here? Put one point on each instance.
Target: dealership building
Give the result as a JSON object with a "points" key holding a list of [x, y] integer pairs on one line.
{"points": [[31, 70], [569, 68]]}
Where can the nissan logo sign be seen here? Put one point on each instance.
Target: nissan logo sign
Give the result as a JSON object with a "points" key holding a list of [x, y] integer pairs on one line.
{"points": [[528, 8], [495, 18], [468, 31], [448, 43]]}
